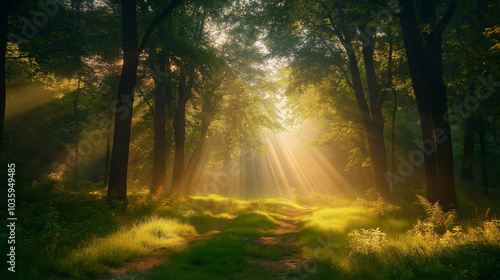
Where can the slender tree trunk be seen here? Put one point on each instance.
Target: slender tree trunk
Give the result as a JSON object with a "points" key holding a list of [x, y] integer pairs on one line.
{"points": [[4, 25], [467, 172], [179, 133], [159, 162], [395, 107], [393, 133], [77, 131], [482, 143], [108, 147], [117, 188], [195, 158], [424, 57], [374, 122], [444, 149], [375, 129]]}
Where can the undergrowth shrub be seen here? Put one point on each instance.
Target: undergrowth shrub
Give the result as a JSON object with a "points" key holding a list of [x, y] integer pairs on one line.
{"points": [[437, 219], [366, 240], [378, 206]]}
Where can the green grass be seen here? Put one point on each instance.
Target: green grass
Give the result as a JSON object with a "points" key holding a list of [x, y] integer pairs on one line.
{"points": [[75, 235], [224, 256], [250, 225], [95, 258], [333, 239]]}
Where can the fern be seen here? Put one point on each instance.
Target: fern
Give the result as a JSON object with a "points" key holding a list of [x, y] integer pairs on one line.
{"points": [[436, 216]]}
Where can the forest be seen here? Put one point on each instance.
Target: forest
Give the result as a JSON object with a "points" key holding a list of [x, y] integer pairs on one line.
{"points": [[250, 139]]}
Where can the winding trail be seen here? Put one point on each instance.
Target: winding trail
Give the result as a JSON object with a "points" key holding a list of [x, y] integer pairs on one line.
{"points": [[284, 240]]}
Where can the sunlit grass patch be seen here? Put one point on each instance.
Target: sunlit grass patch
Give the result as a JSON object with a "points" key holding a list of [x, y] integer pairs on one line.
{"points": [[215, 258], [339, 220], [251, 224], [223, 205], [217, 204], [223, 255], [318, 199], [362, 242], [97, 256], [206, 222]]}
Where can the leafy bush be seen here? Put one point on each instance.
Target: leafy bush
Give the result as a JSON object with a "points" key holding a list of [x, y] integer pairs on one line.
{"points": [[366, 241], [439, 219]]}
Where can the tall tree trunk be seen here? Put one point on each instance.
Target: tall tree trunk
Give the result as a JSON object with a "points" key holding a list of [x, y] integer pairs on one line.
{"points": [[184, 92], [375, 129], [77, 131], [444, 148], [374, 122], [4, 27], [195, 157], [159, 162], [482, 143], [390, 87], [423, 50], [108, 147], [179, 132], [467, 172], [117, 188]]}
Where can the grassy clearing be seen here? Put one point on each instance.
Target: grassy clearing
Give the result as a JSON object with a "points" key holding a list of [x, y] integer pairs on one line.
{"points": [[142, 238], [225, 256], [377, 241], [71, 235]]}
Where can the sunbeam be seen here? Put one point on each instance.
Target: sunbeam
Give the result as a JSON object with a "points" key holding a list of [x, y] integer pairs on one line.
{"points": [[288, 168]]}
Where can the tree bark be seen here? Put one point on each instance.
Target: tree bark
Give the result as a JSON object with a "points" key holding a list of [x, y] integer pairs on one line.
{"points": [[117, 188], [4, 30], [180, 132], [108, 147], [482, 144], [395, 107], [77, 132], [195, 157], [373, 121], [467, 172], [424, 55], [159, 161], [375, 129]]}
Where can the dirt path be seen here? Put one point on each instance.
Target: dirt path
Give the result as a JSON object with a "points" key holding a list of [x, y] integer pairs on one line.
{"points": [[283, 240], [137, 269]]}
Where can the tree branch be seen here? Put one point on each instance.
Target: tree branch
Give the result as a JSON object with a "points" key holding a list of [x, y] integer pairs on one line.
{"points": [[168, 10], [146, 100], [447, 16], [17, 57], [346, 76]]}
